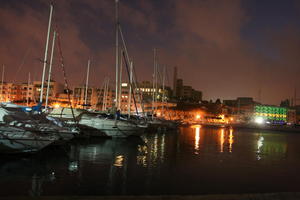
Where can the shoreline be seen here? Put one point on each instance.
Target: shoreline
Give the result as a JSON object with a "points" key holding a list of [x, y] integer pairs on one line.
{"points": [[250, 196]]}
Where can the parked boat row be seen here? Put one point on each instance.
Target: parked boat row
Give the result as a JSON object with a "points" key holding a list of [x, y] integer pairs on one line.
{"points": [[104, 124], [22, 131]]}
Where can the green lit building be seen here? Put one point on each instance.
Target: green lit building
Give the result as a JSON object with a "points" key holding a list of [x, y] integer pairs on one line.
{"points": [[272, 113]]}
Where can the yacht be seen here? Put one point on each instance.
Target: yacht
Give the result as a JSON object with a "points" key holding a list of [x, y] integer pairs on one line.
{"points": [[18, 140], [99, 124]]}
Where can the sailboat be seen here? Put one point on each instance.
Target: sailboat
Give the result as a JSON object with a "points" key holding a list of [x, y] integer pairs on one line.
{"points": [[105, 124], [19, 133]]}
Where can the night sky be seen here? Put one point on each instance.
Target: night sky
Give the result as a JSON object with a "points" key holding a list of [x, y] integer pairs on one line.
{"points": [[225, 48]]}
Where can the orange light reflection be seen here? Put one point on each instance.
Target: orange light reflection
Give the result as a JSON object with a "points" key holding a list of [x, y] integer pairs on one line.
{"points": [[197, 138], [230, 140], [222, 140]]}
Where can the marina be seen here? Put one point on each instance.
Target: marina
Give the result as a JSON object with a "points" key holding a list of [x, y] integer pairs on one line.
{"points": [[194, 160], [131, 99]]}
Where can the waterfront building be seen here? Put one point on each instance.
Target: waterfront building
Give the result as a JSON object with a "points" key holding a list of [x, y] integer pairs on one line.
{"points": [[54, 89], [143, 93], [184, 93], [21, 92], [241, 106], [274, 114], [83, 98], [291, 116]]}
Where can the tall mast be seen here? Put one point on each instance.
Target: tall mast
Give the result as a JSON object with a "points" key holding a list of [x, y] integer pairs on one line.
{"points": [[2, 82], [50, 69], [156, 80], [104, 90], [130, 84], [127, 59], [120, 80], [27, 96], [153, 80], [87, 82], [117, 53], [163, 90], [46, 53], [104, 94]]}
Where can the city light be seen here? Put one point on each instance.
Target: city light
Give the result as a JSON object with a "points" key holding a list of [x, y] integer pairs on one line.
{"points": [[259, 120], [57, 105]]}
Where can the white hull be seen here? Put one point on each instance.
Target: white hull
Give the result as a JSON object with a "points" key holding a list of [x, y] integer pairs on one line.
{"points": [[15, 140], [112, 129], [99, 126]]}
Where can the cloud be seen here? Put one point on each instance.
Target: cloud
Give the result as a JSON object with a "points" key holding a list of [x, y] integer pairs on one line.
{"points": [[214, 56], [203, 38]]}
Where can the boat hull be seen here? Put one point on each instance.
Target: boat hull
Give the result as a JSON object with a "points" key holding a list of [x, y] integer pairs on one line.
{"points": [[15, 140], [111, 128]]}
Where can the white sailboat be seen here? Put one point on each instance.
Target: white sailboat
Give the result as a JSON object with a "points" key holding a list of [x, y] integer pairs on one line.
{"points": [[109, 125], [13, 115], [18, 140]]}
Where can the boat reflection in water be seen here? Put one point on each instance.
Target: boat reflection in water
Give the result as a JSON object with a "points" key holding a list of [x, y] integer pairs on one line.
{"points": [[196, 160]]}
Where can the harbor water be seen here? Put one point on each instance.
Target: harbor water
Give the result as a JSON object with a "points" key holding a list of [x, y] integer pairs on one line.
{"points": [[193, 160]]}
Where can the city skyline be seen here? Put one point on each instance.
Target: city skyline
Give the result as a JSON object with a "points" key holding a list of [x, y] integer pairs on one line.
{"points": [[224, 48]]}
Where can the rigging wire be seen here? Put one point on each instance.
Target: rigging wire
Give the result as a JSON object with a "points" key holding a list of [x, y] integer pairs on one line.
{"points": [[62, 65]]}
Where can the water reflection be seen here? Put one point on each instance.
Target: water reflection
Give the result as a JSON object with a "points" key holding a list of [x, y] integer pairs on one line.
{"points": [[197, 138], [153, 152], [221, 140], [260, 143], [271, 146], [157, 164], [119, 161], [73, 166], [230, 139]]}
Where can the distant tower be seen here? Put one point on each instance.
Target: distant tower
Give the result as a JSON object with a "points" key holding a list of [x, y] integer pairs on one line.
{"points": [[175, 82], [259, 95], [295, 97]]}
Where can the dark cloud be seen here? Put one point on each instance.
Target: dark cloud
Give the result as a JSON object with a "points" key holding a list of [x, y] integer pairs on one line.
{"points": [[211, 41]]}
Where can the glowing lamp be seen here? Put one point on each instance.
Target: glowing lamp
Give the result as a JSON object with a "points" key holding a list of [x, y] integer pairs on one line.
{"points": [[259, 120], [56, 105]]}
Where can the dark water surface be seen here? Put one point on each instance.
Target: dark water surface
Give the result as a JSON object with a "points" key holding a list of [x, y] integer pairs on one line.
{"points": [[194, 160]]}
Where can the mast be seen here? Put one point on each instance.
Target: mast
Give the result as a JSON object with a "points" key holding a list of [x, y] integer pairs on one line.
{"points": [[153, 81], [163, 90], [27, 96], [134, 81], [46, 53], [104, 90], [117, 53], [130, 83], [156, 82], [87, 82], [120, 80], [106, 81], [2, 82], [50, 68]]}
